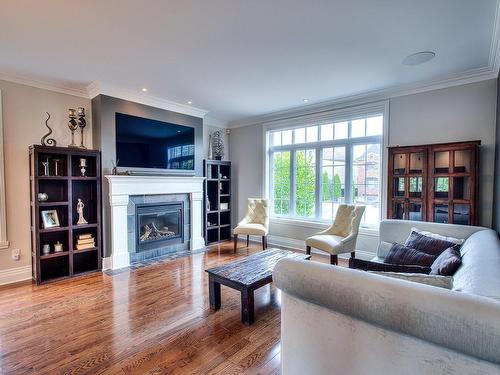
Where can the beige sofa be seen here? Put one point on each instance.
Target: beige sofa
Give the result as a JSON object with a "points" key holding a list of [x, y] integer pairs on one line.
{"points": [[342, 321]]}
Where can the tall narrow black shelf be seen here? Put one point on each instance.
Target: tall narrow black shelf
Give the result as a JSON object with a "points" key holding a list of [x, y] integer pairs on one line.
{"points": [[217, 224], [64, 186]]}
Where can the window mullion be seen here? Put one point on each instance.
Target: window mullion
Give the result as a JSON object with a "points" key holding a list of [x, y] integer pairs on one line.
{"points": [[318, 189], [348, 173]]}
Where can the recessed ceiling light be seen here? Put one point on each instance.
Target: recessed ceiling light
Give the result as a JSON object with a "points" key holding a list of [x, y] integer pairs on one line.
{"points": [[419, 58], [144, 89], [305, 100], [190, 102]]}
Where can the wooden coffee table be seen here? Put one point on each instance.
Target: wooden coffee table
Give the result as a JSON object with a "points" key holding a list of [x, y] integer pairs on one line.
{"points": [[246, 275]]}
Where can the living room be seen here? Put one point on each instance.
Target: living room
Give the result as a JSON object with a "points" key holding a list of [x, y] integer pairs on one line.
{"points": [[250, 187]]}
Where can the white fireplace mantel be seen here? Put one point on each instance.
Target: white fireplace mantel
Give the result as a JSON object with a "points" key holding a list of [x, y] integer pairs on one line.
{"points": [[122, 187]]}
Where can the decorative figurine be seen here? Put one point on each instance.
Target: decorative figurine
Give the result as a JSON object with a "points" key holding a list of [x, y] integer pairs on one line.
{"points": [[72, 125], [58, 247], [210, 152], [83, 164], [43, 197], [46, 166], [217, 145], [79, 209], [56, 167], [46, 249], [50, 141], [81, 123]]}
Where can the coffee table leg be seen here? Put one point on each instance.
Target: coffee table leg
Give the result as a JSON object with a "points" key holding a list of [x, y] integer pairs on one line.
{"points": [[247, 306], [214, 293]]}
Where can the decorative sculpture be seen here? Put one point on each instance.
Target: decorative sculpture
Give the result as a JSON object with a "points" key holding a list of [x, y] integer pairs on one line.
{"points": [[48, 141], [218, 145], [79, 209], [72, 125], [81, 123]]}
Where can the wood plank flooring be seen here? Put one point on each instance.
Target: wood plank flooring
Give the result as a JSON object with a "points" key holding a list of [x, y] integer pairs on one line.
{"points": [[151, 320]]}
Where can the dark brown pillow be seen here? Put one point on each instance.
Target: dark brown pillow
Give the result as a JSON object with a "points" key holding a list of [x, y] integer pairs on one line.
{"points": [[404, 255], [447, 263], [429, 245], [367, 265]]}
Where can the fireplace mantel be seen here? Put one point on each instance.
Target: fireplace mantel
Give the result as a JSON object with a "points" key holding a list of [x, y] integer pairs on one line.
{"points": [[122, 187]]}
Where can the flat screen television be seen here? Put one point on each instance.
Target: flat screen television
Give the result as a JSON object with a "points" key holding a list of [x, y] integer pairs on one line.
{"points": [[152, 144]]}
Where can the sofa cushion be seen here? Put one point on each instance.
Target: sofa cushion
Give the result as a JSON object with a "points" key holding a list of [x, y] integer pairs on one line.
{"points": [[403, 255], [433, 280], [429, 245], [383, 249], [446, 263]]}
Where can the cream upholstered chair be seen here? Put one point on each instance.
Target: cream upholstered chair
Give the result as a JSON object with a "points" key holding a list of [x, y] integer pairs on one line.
{"points": [[256, 221], [341, 237]]}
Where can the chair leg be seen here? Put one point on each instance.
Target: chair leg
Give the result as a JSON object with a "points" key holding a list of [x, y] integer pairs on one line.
{"points": [[266, 243], [334, 259], [235, 242], [263, 242], [353, 254], [308, 250], [248, 239]]}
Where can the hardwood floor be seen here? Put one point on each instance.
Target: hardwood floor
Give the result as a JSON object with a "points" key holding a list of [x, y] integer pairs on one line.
{"points": [[151, 320]]}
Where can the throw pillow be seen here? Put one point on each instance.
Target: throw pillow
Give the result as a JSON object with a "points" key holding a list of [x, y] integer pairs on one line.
{"points": [[383, 249], [367, 265], [447, 263], [457, 241], [433, 280], [429, 245], [404, 255]]}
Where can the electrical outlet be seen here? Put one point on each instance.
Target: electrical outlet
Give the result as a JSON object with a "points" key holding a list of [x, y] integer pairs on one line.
{"points": [[16, 254]]}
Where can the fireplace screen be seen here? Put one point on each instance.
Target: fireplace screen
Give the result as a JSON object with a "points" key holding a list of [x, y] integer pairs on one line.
{"points": [[159, 222]]}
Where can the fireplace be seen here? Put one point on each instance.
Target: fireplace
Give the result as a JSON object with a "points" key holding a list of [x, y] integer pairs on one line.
{"points": [[159, 225]]}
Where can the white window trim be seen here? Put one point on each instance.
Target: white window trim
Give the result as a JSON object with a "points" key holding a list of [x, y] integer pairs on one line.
{"points": [[325, 117], [4, 244]]}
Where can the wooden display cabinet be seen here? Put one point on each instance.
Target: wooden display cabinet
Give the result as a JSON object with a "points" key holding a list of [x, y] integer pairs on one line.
{"points": [[437, 183]]}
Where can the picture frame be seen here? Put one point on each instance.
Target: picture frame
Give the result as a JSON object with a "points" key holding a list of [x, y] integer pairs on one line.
{"points": [[50, 219]]}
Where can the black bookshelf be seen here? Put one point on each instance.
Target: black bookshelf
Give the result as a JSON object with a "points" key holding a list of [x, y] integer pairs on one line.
{"points": [[217, 223], [63, 187]]}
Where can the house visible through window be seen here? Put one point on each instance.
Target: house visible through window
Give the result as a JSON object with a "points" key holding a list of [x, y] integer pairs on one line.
{"points": [[312, 169]]}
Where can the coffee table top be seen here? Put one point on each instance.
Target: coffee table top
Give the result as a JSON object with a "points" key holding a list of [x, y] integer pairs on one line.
{"points": [[254, 268]]}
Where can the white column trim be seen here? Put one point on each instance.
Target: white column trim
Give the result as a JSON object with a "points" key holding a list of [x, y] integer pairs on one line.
{"points": [[4, 243]]}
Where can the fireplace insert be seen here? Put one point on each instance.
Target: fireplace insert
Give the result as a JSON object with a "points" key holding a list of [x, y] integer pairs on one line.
{"points": [[159, 225]]}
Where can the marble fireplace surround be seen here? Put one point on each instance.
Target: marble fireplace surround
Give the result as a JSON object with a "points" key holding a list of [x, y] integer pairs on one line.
{"points": [[120, 190]]}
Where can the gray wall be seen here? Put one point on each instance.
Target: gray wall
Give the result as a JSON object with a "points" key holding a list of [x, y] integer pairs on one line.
{"points": [[459, 113], [496, 193], [103, 112]]}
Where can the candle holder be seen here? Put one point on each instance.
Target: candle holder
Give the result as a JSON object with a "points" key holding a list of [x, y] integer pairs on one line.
{"points": [[83, 165], [72, 125], [81, 123]]}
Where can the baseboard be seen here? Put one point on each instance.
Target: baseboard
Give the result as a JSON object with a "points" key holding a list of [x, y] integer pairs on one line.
{"points": [[300, 245], [14, 275]]}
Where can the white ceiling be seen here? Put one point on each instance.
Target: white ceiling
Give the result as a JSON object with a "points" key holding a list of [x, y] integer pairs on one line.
{"points": [[239, 58]]}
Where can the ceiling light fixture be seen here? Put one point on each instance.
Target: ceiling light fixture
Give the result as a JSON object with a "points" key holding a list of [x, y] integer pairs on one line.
{"points": [[190, 102], [305, 100], [144, 89], [418, 58]]}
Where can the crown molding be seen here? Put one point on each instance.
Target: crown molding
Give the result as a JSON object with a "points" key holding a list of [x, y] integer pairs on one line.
{"points": [[98, 88], [471, 76], [45, 84]]}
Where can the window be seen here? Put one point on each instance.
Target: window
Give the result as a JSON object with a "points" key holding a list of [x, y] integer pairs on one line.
{"points": [[316, 167]]}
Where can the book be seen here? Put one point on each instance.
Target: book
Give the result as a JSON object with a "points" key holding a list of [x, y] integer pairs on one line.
{"points": [[82, 242], [84, 236], [85, 246]]}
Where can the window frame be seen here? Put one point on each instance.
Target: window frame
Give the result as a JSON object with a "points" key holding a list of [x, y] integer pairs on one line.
{"points": [[318, 119]]}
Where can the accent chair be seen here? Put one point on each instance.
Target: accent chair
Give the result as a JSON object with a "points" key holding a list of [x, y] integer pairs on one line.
{"points": [[256, 221]]}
